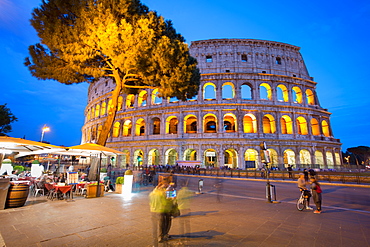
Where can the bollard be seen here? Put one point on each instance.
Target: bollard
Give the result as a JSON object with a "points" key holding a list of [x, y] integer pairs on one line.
{"points": [[200, 186]]}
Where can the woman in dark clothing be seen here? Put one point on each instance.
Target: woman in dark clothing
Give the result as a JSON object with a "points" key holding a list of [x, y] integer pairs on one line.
{"points": [[316, 194]]}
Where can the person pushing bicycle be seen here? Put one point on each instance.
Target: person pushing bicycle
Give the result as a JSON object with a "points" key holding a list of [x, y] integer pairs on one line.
{"points": [[302, 185]]}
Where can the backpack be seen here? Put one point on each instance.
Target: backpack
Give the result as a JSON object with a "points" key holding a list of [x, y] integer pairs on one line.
{"points": [[318, 189]]}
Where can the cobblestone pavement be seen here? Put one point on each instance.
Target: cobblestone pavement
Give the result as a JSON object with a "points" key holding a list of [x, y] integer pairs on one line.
{"points": [[115, 220]]}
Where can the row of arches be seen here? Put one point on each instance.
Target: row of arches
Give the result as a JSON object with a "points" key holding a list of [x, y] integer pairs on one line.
{"points": [[281, 94], [210, 123], [230, 157]]}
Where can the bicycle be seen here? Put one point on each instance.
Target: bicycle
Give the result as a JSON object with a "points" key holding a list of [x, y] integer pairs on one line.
{"points": [[302, 201]]}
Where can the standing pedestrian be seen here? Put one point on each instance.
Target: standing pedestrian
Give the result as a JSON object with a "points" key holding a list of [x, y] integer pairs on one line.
{"points": [[316, 194], [302, 185], [290, 171]]}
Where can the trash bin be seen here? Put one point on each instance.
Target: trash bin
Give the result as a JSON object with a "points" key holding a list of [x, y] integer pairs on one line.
{"points": [[4, 186]]}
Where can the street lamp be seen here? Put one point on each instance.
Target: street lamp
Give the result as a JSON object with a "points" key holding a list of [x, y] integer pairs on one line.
{"points": [[44, 129]]}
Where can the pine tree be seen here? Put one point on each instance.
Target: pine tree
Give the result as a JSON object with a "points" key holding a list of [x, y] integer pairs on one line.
{"points": [[6, 118], [85, 40]]}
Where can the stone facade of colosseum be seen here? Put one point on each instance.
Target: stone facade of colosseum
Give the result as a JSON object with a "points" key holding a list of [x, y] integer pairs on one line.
{"points": [[251, 91]]}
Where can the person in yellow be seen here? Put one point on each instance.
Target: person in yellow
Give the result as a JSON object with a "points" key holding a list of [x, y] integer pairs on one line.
{"points": [[160, 208], [184, 196]]}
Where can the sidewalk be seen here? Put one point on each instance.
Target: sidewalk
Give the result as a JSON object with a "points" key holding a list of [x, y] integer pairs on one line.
{"points": [[113, 220]]}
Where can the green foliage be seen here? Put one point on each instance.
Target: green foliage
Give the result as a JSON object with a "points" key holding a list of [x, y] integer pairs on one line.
{"points": [[120, 180], [6, 118], [35, 162], [103, 169], [19, 168]]}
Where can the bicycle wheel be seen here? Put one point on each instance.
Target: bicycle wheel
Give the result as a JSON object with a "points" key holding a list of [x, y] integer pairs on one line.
{"points": [[300, 204]]}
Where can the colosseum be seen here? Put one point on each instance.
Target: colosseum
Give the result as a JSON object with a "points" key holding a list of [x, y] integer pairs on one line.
{"points": [[251, 91]]}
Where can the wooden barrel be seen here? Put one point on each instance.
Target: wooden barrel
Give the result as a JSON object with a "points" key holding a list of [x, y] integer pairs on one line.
{"points": [[17, 195]]}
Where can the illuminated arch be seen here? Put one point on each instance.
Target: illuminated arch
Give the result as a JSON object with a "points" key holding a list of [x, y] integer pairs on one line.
{"points": [[251, 158], [228, 90], [92, 112], [210, 158], [103, 109], [325, 128], [231, 158], [319, 158], [209, 91], [93, 133], [265, 91], [304, 157], [171, 125], [230, 123], [310, 97], [171, 156], [190, 154], [210, 123], [120, 103], [329, 160], [138, 157], [153, 157], [155, 99], [286, 125], [246, 92], [269, 125], [130, 101], [97, 110], [190, 124], [110, 106], [297, 95], [302, 126], [116, 128], [282, 93], [273, 156], [125, 158], [88, 135], [289, 157], [127, 128], [315, 128], [249, 123], [156, 126], [337, 158], [140, 127], [88, 115], [142, 100], [100, 128]]}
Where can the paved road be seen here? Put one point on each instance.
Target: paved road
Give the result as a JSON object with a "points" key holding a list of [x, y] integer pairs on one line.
{"points": [[242, 218]]}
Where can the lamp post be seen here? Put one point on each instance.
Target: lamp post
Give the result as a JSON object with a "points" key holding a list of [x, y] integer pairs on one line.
{"points": [[265, 157], [44, 129]]}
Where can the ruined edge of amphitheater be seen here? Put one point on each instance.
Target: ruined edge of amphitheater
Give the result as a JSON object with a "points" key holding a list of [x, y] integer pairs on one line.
{"points": [[251, 91]]}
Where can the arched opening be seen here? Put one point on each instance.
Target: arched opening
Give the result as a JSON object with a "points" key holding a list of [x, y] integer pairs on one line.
{"points": [[171, 125], [329, 160], [103, 108], [228, 90], [249, 123], [304, 157], [100, 128], [273, 157], [120, 103], [282, 93], [116, 128], [251, 158], [156, 126], [210, 158], [319, 159], [231, 158], [268, 124], [97, 110], [325, 128], [110, 106], [315, 128], [142, 100], [229, 122], [310, 97], [190, 154], [127, 126], [155, 97], [302, 126], [153, 157], [210, 123], [130, 101], [265, 91], [140, 127], [297, 95], [190, 124], [171, 157], [289, 157], [209, 91], [246, 92], [138, 157], [93, 133], [125, 158], [286, 125]]}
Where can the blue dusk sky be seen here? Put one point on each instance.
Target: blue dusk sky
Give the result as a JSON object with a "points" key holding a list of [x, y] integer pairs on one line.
{"points": [[333, 36]]}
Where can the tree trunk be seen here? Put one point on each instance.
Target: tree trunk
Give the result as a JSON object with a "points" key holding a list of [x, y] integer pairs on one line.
{"points": [[93, 168]]}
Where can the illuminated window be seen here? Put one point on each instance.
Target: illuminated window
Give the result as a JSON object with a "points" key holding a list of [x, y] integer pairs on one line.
{"points": [[246, 91], [130, 100], [155, 98], [100, 128], [278, 60], [244, 58], [209, 91], [325, 128], [120, 103], [268, 122], [302, 126], [289, 157], [173, 99], [190, 124], [103, 108], [210, 123], [229, 123], [110, 106], [228, 91], [315, 128], [156, 126], [319, 158], [116, 128], [304, 157], [286, 125], [249, 123], [209, 59], [140, 127], [97, 110], [251, 158], [127, 126], [282, 93], [171, 125], [297, 95], [142, 98], [265, 91], [310, 97]]}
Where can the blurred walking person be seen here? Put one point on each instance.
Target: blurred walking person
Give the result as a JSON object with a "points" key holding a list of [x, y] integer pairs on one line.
{"points": [[316, 194], [184, 196]]}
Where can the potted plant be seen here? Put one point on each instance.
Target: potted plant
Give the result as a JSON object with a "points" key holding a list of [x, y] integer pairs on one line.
{"points": [[119, 183], [91, 190]]}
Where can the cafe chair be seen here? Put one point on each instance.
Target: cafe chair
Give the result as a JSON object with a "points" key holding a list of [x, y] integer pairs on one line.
{"points": [[38, 190]]}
